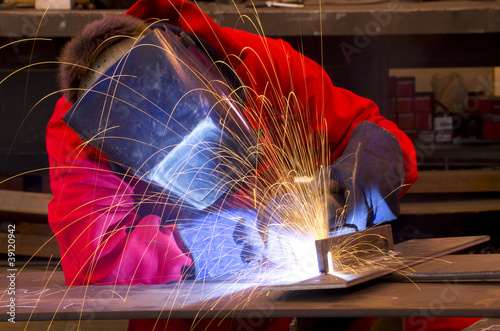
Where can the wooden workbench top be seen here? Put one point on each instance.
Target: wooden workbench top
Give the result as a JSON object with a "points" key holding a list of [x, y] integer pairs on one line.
{"points": [[42, 296]]}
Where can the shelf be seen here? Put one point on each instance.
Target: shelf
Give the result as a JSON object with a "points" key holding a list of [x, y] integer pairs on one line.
{"points": [[386, 18]]}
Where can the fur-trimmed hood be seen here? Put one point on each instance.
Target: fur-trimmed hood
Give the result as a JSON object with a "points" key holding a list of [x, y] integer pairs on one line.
{"points": [[81, 51]]}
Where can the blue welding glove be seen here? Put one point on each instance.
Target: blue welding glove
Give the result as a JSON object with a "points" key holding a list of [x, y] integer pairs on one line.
{"points": [[365, 181], [223, 243]]}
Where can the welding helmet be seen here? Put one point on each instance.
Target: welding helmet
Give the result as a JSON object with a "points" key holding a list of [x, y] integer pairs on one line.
{"points": [[165, 107]]}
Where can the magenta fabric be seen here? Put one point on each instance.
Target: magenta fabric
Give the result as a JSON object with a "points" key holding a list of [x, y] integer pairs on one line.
{"points": [[94, 215]]}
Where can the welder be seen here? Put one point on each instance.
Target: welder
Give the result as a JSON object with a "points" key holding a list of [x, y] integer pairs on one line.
{"points": [[113, 200]]}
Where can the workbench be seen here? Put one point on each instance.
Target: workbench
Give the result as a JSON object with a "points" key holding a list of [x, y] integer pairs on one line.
{"points": [[43, 296], [314, 19], [423, 280]]}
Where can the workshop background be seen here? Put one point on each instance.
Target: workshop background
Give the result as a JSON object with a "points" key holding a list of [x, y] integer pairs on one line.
{"points": [[432, 67]]}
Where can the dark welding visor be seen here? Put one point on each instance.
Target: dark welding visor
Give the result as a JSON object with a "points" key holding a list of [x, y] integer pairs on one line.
{"points": [[170, 112]]}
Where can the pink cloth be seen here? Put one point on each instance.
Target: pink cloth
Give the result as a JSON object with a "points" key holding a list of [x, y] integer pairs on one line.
{"points": [[94, 215]]}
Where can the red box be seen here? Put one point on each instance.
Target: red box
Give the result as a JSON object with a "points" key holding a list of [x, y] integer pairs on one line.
{"points": [[422, 102], [405, 86], [478, 106], [406, 121], [423, 121], [491, 130], [404, 105]]}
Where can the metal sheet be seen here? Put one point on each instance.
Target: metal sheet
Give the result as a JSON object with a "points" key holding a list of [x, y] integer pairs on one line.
{"points": [[44, 298], [410, 252], [490, 324], [477, 267]]}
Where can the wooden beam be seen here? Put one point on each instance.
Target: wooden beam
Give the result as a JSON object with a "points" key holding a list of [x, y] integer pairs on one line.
{"points": [[38, 229], [24, 202], [457, 181], [31, 245], [450, 207]]}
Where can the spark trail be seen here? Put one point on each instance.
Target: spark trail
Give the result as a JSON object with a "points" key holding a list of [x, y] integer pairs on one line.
{"points": [[271, 177]]}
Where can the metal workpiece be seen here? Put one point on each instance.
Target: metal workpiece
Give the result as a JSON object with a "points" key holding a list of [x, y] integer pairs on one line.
{"points": [[357, 247], [408, 254], [313, 19], [456, 267]]}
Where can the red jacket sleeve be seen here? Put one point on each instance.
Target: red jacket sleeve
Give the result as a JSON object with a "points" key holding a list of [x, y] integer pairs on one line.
{"points": [[94, 217], [282, 82]]}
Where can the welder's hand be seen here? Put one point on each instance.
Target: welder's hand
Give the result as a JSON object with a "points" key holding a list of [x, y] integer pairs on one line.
{"points": [[366, 181], [223, 243]]}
